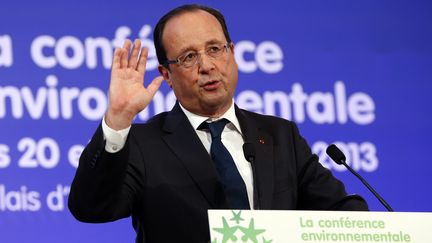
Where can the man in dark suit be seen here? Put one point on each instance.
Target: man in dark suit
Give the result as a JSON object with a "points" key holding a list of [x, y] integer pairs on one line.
{"points": [[166, 173]]}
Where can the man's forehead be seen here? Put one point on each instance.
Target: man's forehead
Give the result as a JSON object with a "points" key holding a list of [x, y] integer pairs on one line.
{"points": [[190, 15], [193, 26]]}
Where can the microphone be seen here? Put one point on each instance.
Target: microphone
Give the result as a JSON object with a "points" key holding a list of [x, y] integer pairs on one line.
{"points": [[249, 153], [339, 158]]}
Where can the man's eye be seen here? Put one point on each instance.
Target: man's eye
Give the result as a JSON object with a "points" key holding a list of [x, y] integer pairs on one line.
{"points": [[189, 57], [214, 49]]}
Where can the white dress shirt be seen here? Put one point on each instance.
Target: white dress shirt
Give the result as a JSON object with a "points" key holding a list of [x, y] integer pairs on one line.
{"points": [[232, 138]]}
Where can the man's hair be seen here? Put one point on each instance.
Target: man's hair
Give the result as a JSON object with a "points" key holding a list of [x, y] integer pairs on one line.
{"points": [[160, 26]]}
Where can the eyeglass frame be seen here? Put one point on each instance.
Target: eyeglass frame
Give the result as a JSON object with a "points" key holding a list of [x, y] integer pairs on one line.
{"points": [[199, 53]]}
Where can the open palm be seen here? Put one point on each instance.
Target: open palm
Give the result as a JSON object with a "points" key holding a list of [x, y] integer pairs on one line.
{"points": [[127, 93]]}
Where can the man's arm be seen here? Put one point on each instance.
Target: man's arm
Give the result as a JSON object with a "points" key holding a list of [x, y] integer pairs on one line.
{"points": [[101, 191], [98, 192]]}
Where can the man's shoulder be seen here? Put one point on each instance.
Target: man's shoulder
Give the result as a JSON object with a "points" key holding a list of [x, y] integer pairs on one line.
{"points": [[156, 121], [265, 119]]}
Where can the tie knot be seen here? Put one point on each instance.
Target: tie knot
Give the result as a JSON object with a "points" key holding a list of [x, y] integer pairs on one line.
{"points": [[216, 127]]}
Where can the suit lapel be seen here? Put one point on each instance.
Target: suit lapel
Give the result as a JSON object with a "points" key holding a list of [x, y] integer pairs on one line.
{"points": [[263, 163], [184, 142]]}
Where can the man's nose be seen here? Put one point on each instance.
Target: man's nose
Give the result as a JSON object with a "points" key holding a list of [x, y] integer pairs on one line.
{"points": [[205, 63]]}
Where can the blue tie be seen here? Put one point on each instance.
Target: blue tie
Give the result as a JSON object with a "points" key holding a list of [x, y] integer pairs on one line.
{"points": [[234, 186]]}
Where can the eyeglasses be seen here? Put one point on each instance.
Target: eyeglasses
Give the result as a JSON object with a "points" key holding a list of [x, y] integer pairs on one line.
{"points": [[190, 58]]}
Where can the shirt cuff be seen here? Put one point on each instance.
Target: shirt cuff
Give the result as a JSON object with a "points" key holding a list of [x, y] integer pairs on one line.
{"points": [[115, 140]]}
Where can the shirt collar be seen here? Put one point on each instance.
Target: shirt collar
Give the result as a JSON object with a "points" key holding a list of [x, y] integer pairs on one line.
{"points": [[196, 120]]}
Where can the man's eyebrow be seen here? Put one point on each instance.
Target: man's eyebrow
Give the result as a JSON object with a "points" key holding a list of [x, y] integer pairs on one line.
{"points": [[190, 48], [186, 49], [215, 41]]}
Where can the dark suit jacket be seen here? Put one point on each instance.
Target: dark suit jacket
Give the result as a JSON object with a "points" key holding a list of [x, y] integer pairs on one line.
{"points": [[166, 180]]}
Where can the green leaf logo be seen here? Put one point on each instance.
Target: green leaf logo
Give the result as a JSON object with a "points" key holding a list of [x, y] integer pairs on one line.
{"points": [[238, 232]]}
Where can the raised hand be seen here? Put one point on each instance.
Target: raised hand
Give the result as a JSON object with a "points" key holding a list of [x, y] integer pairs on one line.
{"points": [[127, 94]]}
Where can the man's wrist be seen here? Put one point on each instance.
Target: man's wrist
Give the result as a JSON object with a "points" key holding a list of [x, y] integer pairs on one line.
{"points": [[115, 140]]}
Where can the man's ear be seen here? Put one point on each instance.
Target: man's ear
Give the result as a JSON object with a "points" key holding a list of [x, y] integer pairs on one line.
{"points": [[165, 72], [231, 45]]}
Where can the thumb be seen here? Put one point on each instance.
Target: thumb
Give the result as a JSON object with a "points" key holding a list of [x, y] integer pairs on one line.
{"points": [[155, 84]]}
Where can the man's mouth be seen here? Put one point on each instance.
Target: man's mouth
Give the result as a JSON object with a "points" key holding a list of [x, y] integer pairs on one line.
{"points": [[211, 85]]}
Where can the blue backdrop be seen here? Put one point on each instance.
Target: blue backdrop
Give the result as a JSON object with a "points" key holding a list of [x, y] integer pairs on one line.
{"points": [[352, 72]]}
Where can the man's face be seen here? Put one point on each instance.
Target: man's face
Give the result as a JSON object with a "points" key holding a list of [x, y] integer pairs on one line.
{"points": [[208, 87]]}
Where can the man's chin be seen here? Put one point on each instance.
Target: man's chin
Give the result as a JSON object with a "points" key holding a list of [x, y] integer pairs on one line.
{"points": [[217, 104]]}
